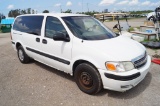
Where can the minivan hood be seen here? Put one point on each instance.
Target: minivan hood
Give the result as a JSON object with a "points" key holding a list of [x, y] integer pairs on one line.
{"points": [[117, 49]]}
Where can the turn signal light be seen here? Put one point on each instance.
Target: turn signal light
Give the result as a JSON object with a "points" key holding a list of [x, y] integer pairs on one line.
{"points": [[110, 67]]}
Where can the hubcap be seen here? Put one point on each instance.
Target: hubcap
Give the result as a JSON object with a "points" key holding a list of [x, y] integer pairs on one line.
{"points": [[21, 55], [86, 80]]}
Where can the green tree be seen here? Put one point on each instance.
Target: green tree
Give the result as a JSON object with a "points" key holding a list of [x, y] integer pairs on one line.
{"points": [[34, 11], [14, 13], [29, 11], [88, 13], [68, 11], [2, 17], [45, 11], [141, 12], [23, 12]]}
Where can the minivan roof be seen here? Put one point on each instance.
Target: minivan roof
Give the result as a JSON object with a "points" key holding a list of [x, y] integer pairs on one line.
{"points": [[55, 14]]}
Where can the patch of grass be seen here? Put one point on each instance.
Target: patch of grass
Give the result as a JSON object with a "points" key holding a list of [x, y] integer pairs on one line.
{"points": [[129, 30], [154, 40], [138, 27], [132, 29]]}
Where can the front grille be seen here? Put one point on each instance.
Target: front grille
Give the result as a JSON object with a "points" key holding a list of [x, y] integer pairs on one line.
{"points": [[141, 61]]}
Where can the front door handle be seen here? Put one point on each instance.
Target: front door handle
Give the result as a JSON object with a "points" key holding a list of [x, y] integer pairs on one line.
{"points": [[44, 41], [37, 39]]}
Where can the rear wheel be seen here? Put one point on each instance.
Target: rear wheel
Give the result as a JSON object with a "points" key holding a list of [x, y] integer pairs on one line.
{"points": [[23, 57], [88, 79]]}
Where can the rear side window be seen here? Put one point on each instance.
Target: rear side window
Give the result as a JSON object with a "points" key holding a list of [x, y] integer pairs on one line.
{"points": [[29, 24]]}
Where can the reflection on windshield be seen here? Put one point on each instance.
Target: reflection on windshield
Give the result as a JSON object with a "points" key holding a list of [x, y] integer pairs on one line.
{"points": [[87, 28]]}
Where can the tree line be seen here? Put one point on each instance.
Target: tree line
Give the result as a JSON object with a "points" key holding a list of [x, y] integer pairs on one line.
{"points": [[141, 12], [2, 17], [16, 12]]}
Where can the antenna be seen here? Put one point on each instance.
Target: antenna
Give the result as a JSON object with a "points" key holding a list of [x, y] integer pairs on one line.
{"points": [[60, 8]]}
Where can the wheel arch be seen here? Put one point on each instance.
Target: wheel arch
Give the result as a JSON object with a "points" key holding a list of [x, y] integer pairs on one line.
{"points": [[80, 61], [17, 45]]}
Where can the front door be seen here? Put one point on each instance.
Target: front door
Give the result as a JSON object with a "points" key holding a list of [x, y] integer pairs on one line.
{"points": [[57, 53]]}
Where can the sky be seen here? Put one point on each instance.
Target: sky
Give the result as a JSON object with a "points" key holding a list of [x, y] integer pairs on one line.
{"points": [[55, 6]]}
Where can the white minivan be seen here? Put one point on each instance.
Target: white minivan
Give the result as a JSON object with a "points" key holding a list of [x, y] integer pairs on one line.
{"points": [[83, 47]]}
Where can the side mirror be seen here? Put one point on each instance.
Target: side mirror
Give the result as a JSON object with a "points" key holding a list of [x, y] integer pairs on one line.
{"points": [[61, 37]]}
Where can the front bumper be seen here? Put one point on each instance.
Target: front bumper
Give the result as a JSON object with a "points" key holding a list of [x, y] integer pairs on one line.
{"points": [[122, 78], [123, 81]]}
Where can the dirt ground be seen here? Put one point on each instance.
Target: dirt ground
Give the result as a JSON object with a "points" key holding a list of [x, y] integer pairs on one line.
{"points": [[132, 22], [36, 84]]}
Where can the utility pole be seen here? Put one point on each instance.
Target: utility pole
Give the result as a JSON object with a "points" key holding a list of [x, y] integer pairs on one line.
{"points": [[60, 8], [82, 6], [87, 7]]}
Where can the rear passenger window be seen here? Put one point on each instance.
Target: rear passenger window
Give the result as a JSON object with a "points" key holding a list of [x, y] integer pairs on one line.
{"points": [[53, 26], [29, 24]]}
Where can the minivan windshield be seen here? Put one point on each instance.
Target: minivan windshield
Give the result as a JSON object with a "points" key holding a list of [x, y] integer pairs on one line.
{"points": [[88, 28]]}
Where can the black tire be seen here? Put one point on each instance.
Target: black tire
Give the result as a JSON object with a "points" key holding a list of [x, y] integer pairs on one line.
{"points": [[88, 78], [23, 57]]}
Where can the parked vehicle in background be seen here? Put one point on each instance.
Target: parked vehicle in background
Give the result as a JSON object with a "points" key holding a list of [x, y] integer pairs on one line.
{"points": [[83, 47], [151, 16]]}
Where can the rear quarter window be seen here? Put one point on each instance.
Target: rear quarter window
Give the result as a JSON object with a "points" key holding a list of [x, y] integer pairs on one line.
{"points": [[29, 24]]}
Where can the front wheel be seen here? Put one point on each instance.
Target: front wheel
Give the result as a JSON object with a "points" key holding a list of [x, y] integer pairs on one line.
{"points": [[88, 78]]}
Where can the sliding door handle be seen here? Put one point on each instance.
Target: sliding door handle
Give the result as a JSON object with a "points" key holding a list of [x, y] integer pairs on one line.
{"points": [[44, 41], [37, 39]]}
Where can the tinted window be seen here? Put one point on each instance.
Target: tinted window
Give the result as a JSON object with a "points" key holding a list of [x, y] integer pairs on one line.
{"points": [[29, 24], [53, 26]]}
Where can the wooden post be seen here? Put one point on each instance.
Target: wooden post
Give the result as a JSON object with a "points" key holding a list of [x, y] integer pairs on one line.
{"points": [[103, 18], [113, 17]]}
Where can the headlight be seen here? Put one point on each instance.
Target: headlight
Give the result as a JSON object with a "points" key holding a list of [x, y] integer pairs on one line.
{"points": [[119, 66]]}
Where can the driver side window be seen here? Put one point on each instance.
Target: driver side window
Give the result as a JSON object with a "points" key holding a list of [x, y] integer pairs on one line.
{"points": [[53, 26]]}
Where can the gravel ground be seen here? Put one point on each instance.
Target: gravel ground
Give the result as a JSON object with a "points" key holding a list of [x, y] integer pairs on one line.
{"points": [[35, 84]]}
